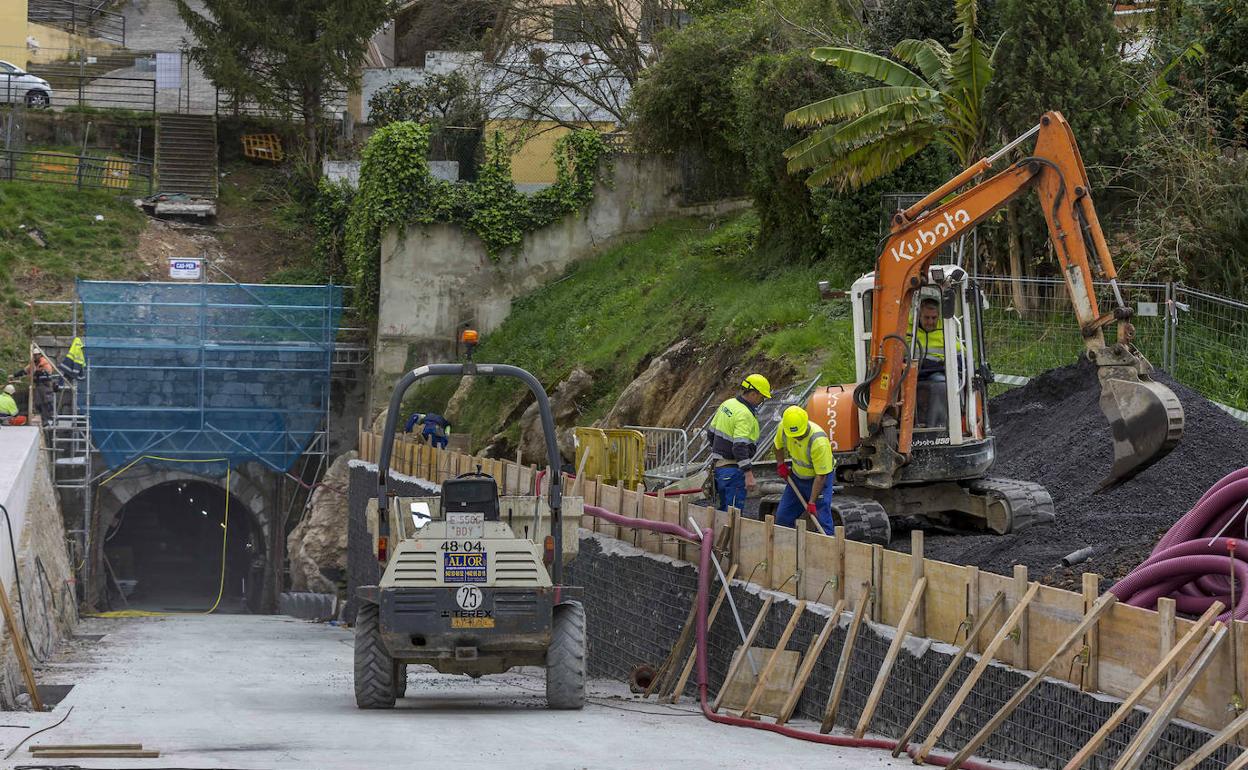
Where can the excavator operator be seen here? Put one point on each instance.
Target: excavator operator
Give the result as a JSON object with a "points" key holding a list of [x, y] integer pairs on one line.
{"points": [[933, 410]]}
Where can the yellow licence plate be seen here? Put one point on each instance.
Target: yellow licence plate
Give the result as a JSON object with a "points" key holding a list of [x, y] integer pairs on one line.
{"points": [[472, 622]]}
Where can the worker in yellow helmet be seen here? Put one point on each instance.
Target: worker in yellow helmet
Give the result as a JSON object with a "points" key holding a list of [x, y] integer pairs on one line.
{"points": [[733, 436], [810, 467]]}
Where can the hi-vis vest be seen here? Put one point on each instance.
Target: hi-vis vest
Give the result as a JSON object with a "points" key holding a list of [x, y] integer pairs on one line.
{"points": [[8, 407], [75, 353], [733, 433], [932, 344], [811, 454]]}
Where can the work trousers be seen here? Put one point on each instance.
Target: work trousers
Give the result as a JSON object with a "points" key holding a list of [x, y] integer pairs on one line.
{"points": [[730, 487], [791, 509]]}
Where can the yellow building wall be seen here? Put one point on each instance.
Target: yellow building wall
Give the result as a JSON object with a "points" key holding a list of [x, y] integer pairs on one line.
{"points": [[531, 162], [12, 29]]}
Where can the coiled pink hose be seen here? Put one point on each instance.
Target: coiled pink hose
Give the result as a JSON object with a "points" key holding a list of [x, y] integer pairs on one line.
{"points": [[704, 585], [1194, 561]]}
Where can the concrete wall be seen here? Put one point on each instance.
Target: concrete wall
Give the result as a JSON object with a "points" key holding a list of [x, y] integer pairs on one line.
{"points": [[437, 278], [47, 581]]}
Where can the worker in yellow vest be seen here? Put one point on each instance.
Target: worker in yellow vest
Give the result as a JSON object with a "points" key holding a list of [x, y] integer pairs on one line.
{"points": [[733, 436], [810, 468], [8, 407], [74, 364]]}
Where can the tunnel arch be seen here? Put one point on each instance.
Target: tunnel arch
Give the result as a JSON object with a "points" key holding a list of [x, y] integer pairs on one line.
{"points": [[251, 499]]}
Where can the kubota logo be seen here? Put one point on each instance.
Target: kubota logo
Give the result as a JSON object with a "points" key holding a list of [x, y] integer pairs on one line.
{"points": [[926, 238]]}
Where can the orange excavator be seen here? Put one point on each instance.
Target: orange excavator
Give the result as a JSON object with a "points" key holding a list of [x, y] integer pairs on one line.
{"points": [[912, 445]]}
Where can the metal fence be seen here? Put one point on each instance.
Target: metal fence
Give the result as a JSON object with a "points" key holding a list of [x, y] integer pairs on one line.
{"points": [[84, 172], [88, 19], [1201, 339]]}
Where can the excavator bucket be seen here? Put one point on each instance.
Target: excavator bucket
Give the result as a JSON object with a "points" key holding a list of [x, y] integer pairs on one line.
{"points": [[1145, 420]]}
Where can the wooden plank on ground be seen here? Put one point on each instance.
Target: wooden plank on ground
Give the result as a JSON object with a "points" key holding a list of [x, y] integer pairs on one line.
{"points": [[743, 653], [890, 658], [770, 665], [950, 670], [842, 665], [98, 754], [808, 664], [985, 660], [28, 674]]}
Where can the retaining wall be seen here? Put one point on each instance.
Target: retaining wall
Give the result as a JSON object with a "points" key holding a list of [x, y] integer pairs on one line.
{"points": [[637, 602], [47, 593], [437, 278]]}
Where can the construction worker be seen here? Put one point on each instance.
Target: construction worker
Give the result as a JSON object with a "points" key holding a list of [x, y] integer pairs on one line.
{"points": [[74, 364], [733, 436], [8, 407], [47, 382], [809, 468], [932, 408], [413, 420], [437, 430]]}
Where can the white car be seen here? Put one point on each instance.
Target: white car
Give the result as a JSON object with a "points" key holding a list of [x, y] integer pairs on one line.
{"points": [[16, 84]]}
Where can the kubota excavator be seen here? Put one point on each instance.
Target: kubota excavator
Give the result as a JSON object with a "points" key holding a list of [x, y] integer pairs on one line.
{"points": [[899, 457]]}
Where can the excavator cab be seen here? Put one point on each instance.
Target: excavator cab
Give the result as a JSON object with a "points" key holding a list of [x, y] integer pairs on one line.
{"points": [[943, 343]]}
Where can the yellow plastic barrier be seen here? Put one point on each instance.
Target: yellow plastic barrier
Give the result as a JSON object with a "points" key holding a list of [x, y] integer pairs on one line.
{"points": [[263, 147], [617, 454]]}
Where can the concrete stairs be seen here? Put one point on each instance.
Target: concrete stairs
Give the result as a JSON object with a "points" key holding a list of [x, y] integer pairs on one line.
{"points": [[186, 155]]}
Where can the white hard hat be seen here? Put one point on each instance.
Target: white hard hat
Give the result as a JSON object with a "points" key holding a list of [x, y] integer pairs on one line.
{"points": [[10, 389]]}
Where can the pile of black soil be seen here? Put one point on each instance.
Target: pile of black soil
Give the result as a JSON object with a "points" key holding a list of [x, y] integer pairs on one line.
{"points": [[1052, 431]]}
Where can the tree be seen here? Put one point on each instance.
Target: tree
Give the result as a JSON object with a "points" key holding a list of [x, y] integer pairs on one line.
{"points": [[897, 20], [865, 134], [1223, 75], [289, 56], [1051, 53]]}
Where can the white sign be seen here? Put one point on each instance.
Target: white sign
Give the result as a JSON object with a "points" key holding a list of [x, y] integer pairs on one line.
{"points": [[1146, 309], [184, 269], [168, 70], [464, 526], [468, 598]]}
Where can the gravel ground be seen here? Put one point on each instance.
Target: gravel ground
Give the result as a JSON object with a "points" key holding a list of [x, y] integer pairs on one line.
{"points": [[1052, 432]]}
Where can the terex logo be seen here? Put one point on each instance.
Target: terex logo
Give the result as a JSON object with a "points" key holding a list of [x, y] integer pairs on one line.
{"points": [[927, 237]]}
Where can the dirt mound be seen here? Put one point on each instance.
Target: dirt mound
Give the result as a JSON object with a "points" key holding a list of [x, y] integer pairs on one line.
{"points": [[1051, 431]]}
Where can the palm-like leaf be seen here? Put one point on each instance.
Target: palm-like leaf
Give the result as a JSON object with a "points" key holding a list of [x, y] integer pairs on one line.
{"points": [[928, 55], [870, 132], [855, 103], [879, 68]]}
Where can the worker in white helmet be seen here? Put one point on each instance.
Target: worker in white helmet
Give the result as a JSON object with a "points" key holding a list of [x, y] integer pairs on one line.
{"points": [[8, 407]]}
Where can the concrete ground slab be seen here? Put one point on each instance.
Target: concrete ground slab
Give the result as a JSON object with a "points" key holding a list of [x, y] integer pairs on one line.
{"points": [[273, 692]]}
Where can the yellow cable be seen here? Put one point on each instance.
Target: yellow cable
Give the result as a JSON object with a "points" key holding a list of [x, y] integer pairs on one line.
{"points": [[225, 530]]}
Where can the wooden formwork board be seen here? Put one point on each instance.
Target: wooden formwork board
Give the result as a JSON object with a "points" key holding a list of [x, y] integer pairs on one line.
{"points": [[1130, 640]]}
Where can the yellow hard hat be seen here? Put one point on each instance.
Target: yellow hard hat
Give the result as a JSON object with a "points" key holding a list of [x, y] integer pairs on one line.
{"points": [[795, 421], [757, 382]]}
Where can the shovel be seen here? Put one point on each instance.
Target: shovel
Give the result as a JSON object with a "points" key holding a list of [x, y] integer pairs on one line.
{"points": [[805, 505]]}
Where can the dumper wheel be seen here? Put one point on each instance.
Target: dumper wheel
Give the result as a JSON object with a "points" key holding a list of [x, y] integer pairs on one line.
{"points": [[400, 680], [374, 668], [565, 660]]}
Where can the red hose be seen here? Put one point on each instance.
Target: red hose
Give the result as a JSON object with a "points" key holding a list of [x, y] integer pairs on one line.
{"points": [[700, 627]]}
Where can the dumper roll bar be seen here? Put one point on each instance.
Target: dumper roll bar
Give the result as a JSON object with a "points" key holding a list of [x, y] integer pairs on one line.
{"points": [[471, 369]]}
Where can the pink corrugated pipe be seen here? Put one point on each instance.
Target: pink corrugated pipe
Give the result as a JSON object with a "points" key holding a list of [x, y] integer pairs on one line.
{"points": [[1194, 561]]}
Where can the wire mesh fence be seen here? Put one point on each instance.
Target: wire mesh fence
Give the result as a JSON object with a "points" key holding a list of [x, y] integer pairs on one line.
{"points": [[1201, 339], [84, 172]]}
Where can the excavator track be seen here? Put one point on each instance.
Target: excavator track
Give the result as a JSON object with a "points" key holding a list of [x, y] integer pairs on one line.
{"points": [[864, 519], [1026, 504]]}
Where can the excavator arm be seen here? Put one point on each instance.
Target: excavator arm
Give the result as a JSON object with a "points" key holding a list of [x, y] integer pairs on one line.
{"points": [[1146, 419]]}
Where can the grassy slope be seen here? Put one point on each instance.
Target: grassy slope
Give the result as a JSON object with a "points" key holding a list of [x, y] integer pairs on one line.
{"points": [[685, 277], [77, 246]]}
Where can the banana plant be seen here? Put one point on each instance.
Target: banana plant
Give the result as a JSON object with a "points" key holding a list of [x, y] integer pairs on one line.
{"points": [[865, 134]]}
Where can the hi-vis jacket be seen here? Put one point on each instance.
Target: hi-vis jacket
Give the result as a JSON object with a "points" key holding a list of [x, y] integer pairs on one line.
{"points": [[733, 433], [811, 454]]}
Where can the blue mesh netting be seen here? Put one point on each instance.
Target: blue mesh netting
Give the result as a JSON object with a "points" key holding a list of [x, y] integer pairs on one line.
{"points": [[202, 371]]}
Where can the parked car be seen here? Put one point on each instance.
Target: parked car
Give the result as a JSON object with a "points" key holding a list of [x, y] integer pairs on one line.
{"points": [[16, 84]]}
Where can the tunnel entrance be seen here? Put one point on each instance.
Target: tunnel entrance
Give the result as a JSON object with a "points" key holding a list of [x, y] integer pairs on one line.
{"points": [[169, 546]]}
